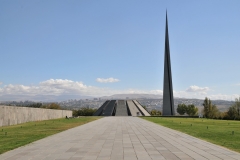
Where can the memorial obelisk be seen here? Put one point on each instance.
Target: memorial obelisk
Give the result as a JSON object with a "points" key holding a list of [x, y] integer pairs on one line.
{"points": [[168, 101]]}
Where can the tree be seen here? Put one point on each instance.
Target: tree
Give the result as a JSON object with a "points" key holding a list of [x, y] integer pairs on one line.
{"points": [[75, 113], [207, 107], [182, 109], [234, 110], [210, 110], [191, 110], [54, 106], [51, 106], [155, 112], [84, 111], [223, 115], [145, 108], [237, 104], [35, 105]]}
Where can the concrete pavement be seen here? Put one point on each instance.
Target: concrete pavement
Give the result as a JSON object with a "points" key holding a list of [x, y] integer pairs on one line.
{"points": [[127, 138]]}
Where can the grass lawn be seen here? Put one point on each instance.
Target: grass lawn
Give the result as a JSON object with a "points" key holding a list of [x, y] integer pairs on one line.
{"points": [[219, 132], [18, 135]]}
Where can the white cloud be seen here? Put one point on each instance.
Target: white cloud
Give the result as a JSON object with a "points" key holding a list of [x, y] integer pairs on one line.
{"points": [[160, 92], [66, 87], [202, 95], [136, 91], [56, 87], [193, 92], [63, 87], [238, 84], [195, 88], [107, 80], [1, 83]]}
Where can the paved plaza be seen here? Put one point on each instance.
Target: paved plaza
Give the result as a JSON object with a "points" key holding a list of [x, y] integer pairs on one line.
{"points": [[118, 138]]}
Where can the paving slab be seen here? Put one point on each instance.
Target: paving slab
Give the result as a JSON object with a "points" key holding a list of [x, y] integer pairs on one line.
{"points": [[117, 138]]}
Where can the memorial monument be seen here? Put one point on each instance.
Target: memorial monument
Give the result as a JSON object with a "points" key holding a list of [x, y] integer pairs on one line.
{"points": [[168, 101]]}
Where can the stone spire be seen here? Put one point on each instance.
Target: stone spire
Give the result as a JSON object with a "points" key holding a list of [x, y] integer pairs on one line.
{"points": [[168, 101]]}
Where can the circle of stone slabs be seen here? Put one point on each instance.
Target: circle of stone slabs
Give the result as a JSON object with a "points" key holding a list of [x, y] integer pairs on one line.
{"points": [[119, 138]]}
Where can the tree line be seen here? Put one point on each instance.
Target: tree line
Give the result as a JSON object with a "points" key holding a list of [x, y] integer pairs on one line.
{"points": [[190, 109], [84, 111], [153, 112], [47, 106], [210, 110]]}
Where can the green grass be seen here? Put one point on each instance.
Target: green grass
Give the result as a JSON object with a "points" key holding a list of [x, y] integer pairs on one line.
{"points": [[15, 136], [219, 132]]}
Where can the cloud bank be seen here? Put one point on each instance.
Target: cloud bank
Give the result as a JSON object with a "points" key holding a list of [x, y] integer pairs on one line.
{"points": [[54, 87], [107, 80], [65, 87], [195, 88]]}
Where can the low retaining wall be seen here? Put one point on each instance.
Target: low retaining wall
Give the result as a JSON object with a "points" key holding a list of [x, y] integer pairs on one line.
{"points": [[10, 115]]}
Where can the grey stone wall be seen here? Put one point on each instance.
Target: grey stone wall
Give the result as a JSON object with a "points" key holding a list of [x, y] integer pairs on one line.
{"points": [[10, 115]]}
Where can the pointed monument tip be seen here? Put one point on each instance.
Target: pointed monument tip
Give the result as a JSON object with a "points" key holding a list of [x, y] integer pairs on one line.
{"points": [[166, 16]]}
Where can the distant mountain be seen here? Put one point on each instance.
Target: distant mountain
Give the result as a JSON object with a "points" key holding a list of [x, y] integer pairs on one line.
{"points": [[156, 100], [77, 101], [133, 96], [147, 100], [55, 98], [42, 98]]}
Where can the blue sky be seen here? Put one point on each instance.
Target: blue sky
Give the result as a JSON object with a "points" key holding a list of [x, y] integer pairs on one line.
{"points": [[92, 47]]}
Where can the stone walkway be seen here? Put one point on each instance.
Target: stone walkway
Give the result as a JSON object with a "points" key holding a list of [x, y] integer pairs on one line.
{"points": [[118, 138]]}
